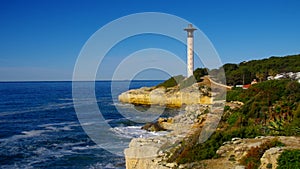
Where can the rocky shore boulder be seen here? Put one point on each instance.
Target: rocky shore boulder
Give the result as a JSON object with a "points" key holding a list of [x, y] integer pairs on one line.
{"points": [[153, 126]]}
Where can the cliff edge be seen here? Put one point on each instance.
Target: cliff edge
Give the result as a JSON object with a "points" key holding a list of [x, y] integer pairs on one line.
{"points": [[170, 97]]}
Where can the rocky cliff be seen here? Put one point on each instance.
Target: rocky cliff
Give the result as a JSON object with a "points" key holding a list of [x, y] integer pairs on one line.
{"points": [[170, 97], [153, 153], [156, 152]]}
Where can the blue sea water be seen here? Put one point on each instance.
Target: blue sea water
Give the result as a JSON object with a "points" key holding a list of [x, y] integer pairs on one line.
{"points": [[39, 127]]}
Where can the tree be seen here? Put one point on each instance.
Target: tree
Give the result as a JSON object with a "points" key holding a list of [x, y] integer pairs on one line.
{"points": [[272, 72], [199, 73], [260, 76]]}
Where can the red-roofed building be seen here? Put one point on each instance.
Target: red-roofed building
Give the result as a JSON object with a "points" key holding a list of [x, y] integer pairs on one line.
{"points": [[246, 86]]}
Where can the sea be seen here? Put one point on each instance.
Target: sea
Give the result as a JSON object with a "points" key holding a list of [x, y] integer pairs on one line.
{"points": [[39, 127]]}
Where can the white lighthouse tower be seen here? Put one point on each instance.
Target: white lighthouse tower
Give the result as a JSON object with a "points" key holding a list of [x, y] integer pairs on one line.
{"points": [[190, 49]]}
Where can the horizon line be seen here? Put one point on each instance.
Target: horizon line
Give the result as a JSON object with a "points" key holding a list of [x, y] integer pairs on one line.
{"points": [[16, 81]]}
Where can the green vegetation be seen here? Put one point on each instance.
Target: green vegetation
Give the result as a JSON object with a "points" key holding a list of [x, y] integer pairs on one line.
{"points": [[272, 104], [199, 73], [245, 72], [252, 159], [182, 81], [270, 108], [289, 159], [242, 73], [173, 81], [195, 152], [233, 118]]}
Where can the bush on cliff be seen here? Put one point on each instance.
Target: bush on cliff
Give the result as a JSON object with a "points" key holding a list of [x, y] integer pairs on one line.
{"points": [[289, 159], [252, 159], [171, 82], [199, 73], [184, 82], [195, 152]]}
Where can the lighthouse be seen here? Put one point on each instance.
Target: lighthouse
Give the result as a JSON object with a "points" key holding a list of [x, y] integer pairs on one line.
{"points": [[190, 49]]}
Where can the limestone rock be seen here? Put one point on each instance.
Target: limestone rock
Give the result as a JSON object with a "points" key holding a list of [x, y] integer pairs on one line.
{"points": [[270, 158], [171, 97]]}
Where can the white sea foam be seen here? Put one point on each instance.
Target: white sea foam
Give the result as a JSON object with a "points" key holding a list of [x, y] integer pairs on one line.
{"points": [[52, 127], [104, 166], [87, 123], [123, 105], [135, 132], [55, 127], [57, 124], [24, 134], [32, 133], [87, 147], [51, 106]]}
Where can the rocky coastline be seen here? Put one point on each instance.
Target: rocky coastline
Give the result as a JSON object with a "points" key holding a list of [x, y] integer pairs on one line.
{"points": [[154, 152], [159, 152], [169, 97]]}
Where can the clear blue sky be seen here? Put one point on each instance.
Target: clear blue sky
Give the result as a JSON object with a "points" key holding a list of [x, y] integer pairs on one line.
{"points": [[40, 40]]}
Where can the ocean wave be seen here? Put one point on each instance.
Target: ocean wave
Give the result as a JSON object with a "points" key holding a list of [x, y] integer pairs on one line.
{"points": [[59, 124], [53, 106], [24, 134], [122, 104], [135, 132], [106, 166], [87, 147], [47, 128], [37, 154]]}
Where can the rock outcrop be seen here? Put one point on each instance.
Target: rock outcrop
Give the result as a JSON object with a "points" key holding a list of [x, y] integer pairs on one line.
{"points": [[152, 153], [170, 97], [231, 152], [153, 126], [269, 159]]}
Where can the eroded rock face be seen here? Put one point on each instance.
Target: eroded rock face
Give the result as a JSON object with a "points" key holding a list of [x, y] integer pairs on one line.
{"points": [[151, 153], [171, 97], [269, 159]]}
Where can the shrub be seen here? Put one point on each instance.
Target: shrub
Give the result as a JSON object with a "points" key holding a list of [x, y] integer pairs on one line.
{"points": [[199, 73], [233, 118], [234, 94], [171, 82], [195, 152], [252, 159], [187, 82], [289, 159]]}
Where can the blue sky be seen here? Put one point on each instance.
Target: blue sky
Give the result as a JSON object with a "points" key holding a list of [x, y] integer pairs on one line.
{"points": [[41, 40]]}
